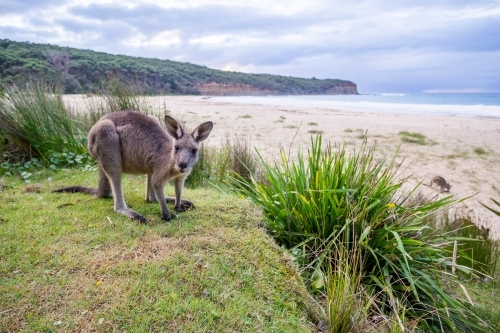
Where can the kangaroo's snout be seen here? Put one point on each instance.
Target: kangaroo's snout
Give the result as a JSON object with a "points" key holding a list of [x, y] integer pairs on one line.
{"points": [[182, 167]]}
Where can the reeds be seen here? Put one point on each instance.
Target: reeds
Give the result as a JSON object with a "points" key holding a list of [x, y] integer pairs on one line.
{"points": [[34, 118], [118, 94], [235, 156]]}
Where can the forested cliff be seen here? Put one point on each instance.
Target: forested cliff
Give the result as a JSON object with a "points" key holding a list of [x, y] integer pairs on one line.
{"points": [[80, 71]]}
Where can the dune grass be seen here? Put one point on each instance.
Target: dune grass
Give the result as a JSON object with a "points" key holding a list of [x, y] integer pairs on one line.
{"points": [[413, 137], [330, 203], [34, 119], [69, 263]]}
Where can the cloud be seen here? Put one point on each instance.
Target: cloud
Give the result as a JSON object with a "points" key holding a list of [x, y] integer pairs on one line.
{"points": [[23, 6], [377, 45]]}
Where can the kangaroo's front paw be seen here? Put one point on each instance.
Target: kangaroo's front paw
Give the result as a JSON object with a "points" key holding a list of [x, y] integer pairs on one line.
{"points": [[169, 217]]}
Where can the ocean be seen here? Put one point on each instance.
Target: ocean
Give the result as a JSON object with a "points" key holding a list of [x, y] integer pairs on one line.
{"points": [[437, 104]]}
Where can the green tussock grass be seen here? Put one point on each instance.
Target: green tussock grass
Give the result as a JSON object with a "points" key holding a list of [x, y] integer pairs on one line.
{"points": [[413, 137], [480, 151], [341, 215], [69, 263]]}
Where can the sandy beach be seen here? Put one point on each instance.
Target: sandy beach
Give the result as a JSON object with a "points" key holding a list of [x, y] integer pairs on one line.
{"points": [[450, 148]]}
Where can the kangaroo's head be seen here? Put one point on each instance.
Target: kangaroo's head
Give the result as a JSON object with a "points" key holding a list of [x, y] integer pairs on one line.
{"points": [[185, 146]]}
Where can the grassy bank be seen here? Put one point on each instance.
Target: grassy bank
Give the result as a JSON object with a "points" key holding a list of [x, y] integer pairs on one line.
{"points": [[69, 263]]}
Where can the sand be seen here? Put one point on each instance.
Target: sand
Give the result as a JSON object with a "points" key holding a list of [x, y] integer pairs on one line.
{"points": [[449, 150]]}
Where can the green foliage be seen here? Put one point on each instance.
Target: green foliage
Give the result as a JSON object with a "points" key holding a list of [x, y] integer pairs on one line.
{"points": [[479, 151], [84, 70], [348, 306], [494, 211], [216, 164], [201, 173], [475, 248], [34, 118], [122, 95], [412, 137], [329, 200], [72, 160], [24, 170]]}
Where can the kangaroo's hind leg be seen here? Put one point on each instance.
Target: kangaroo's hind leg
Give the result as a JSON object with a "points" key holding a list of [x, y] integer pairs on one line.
{"points": [[104, 187], [105, 147]]}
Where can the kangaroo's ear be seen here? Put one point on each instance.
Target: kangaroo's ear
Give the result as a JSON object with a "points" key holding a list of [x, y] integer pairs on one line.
{"points": [[201, 132], [174, 128]]}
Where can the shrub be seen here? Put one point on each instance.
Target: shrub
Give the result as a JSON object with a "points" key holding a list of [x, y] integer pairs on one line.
{"points": [[329, 200]]}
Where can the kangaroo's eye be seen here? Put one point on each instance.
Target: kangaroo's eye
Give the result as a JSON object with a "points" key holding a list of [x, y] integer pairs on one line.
{"points": [[194, 151], [176, 148]]}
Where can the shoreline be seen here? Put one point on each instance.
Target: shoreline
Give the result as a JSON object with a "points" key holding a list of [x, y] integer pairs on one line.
{"points": [[464, 150], [391, 106]]}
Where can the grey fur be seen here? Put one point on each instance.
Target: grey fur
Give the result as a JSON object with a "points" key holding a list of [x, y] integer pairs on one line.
{"points": [[441, 184], [133, 143]]}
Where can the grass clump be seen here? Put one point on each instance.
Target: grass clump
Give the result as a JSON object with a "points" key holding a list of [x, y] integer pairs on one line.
{"points": [[413, 137], [116, 94], [480, 151], [236, 156], [247, 116], [36, 123], [328, 202], [475, 248]]}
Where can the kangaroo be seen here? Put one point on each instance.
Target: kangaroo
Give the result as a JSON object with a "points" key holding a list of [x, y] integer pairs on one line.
{"points": [[133, 143], [441, 184]]}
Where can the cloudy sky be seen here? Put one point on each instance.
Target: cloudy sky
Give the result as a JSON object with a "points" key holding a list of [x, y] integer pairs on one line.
{"points": [[383, 46]]}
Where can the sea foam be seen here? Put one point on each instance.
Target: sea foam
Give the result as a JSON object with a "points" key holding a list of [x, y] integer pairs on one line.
{"points": [[484, 105]]}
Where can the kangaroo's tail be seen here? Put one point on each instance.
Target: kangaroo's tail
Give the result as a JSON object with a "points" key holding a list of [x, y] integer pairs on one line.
{"points": [[75, 189]]}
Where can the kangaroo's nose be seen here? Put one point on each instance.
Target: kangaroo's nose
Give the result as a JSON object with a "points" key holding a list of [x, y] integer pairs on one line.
{"points": [[182, 166]]}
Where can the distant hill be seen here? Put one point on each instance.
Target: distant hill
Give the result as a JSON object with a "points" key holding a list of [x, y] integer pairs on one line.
{"points": [[81, 71]]}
